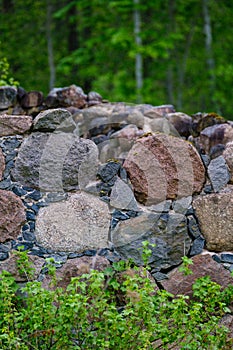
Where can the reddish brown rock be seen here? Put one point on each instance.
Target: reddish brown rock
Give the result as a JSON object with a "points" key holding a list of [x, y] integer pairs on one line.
{"points": [[228, 156], [160, 110], [12, 215], [76, 267], [2, 164], [14, 124], [32, 99], [181, 122], [216, 134], [11, 266], [71, 96], [215, 216], [163, 167], [203, 265]]}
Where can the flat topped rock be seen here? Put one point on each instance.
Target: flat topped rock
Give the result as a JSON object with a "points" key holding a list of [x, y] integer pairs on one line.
{"points": [[77, 224], [14, 124], [215, 216], [12, 215], [54, 119], [164, 167]]}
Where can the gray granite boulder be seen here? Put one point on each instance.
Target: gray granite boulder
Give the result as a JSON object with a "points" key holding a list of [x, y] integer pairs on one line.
{"points": [[218, 172], [55, 162], [168, 232], [79, 223], [54, 119]]}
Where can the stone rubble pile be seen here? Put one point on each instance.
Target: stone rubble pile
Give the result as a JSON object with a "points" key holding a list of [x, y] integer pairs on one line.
{"points": [[83, 178]]}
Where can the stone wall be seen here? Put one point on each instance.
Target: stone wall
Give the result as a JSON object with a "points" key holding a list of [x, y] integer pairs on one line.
{"points": [[83, 179]]}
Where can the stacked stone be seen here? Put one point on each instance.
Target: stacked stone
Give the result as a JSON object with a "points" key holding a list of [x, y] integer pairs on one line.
{"points": [[80, 178]]}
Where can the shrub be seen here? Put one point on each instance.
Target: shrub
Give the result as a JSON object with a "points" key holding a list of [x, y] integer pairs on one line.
{"points": [[5, 79], [116, 309]]}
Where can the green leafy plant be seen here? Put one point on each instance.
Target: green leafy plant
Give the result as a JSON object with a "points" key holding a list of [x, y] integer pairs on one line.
{"points": [[5, 79], [118, 308]]}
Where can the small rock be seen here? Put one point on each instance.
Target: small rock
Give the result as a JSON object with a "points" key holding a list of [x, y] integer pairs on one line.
{"points": [[228, 156], [107, 171], [32, 99], [122, 196], [217, 150], [227, 258], [182, 204], [2, 164], [216, 134], [14, 124], [197, 246], [193, 227], [12, 215], [70, 96], [159, 276], [54, 119], [181, 122], [218, 173], [7, 96]]}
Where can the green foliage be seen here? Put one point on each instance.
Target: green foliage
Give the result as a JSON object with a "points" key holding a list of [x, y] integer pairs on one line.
{"points": [[94, 46], [5, 79], [118, 308]]}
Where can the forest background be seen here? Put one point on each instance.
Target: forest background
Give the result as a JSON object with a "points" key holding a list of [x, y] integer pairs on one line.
{"points": [[139, 51]]}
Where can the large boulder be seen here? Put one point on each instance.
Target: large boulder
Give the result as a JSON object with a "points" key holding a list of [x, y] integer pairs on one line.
{"points": [[11, 266], [166, 233], [74, 268], [55, 161], [12, 216], [164, 167], [14, 124], [215, 216], [203, 265], [75, 225], [54, 119]]}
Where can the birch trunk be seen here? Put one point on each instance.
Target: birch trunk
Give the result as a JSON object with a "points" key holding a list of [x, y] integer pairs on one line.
{"points": [[138, 57], [50, 45]]}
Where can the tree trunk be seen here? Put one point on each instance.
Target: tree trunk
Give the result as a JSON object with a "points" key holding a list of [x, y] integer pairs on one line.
{"points": [[138, 57], [52, 73], [209, 50], [171, 29]]}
